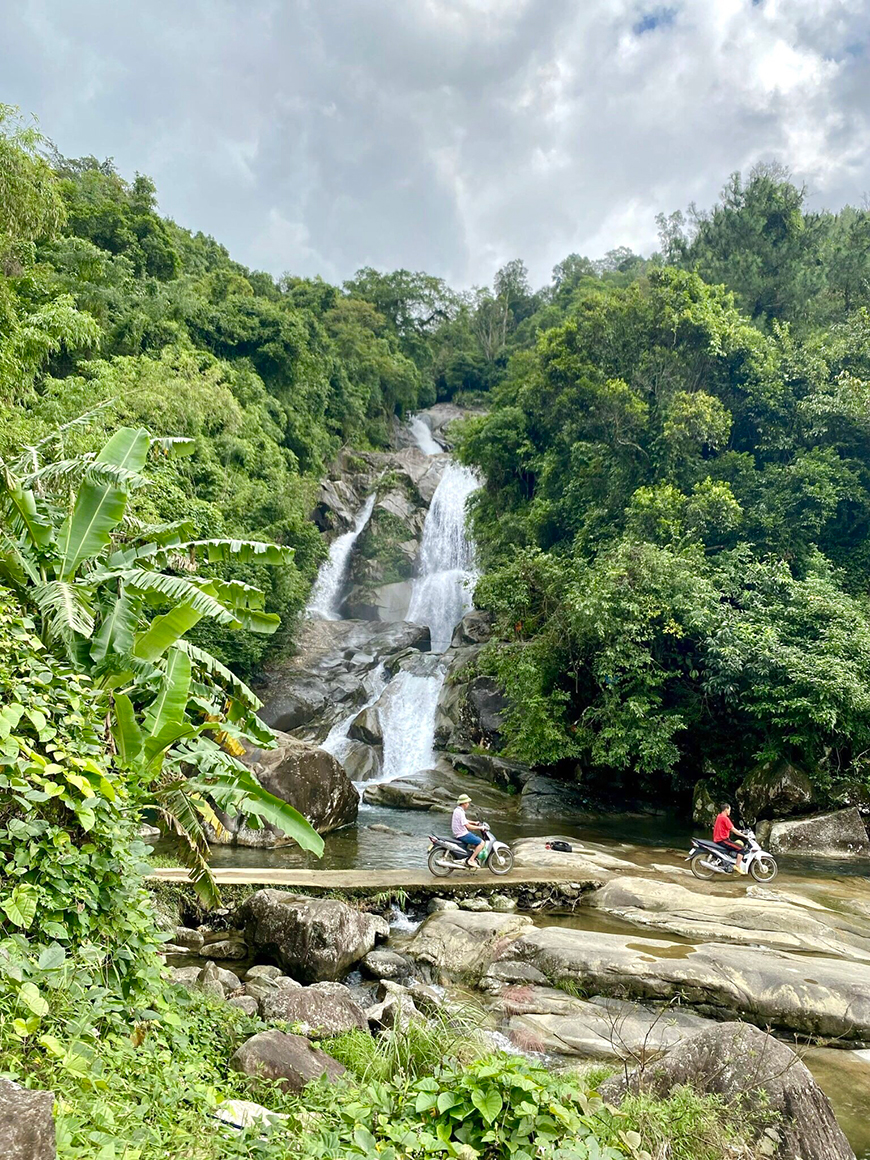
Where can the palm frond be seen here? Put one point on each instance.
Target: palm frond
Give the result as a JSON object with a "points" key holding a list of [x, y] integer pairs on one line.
{"points": [[65, 607], [205, 663], [174, 588], [173, 803]]}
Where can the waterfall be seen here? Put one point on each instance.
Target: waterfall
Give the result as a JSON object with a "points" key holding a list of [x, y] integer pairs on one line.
{"points": [[442, 591], [337, 741], [421, 433], [408, 721], [325, 599]]}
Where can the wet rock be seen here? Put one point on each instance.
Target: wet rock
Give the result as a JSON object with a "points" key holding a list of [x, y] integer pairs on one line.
{"points": [[307, 777], [320, 1012], [737, 1061], [26, 1123], [190, 940], [298, 704], [263, 971], [366, 727], [474, 628], [803, 993], [705, 805], [312, 938], [838, 835], [288, 1060], [362, 762], [478, 904], [509, 775], [774, 788], [461, 942], [436, 904], [502, 903], [408, 794], [246, 1003], [760, 917], [225, 948], [548, 1020], [486, 705], [386, 965], [545, 797], [429, 1000]]}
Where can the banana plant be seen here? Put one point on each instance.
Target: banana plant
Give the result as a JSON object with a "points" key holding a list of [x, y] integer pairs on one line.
{"points": [[119, 599]]}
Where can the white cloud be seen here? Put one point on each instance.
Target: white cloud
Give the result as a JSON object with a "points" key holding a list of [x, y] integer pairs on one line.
{"points": [[448, 135]]}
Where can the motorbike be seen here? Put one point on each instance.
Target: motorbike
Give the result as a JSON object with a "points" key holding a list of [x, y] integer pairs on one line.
{"points": [[449, 854], [707, 859]]}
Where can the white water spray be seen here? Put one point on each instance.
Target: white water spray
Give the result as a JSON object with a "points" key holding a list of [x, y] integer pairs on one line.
{"points": [[325, 599], [408, 722], [442, 591], [421, 433], [337, 741]]}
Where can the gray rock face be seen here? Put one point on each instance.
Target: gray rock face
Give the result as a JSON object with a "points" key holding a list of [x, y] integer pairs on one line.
{"points": [[544, 1019], [405, 794], [366, 727], [705, 806], [474, 628], [545, 797], [312, 938], [307, 777], [803, 993], [735, 1060], [309, 692], [774, 789], [510, 973], [246, 1003], [363, 762], [462, 942], [510, 775], [289, 1060], [386, 965], [321, 1012], [225, 948], [26, 1123], [837, 835], [786, 923], [191, 940]]}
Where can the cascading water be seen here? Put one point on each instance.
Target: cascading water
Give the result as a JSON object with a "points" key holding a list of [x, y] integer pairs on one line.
{"points": [[421, 433], [442, 591], [326, 594], [337, 741]]}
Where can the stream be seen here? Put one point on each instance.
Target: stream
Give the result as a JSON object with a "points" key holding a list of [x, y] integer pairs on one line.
{"points": [[407, 703]]}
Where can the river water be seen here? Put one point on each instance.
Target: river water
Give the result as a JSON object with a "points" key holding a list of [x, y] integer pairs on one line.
{"points": [[397, 838]]}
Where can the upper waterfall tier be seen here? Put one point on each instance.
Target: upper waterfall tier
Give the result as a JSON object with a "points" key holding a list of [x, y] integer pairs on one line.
{"points": [[442, 590], [325, 600]]}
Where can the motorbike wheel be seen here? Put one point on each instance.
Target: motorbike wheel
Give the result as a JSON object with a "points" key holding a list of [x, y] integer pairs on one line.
{"points": [[700, 870], [501, 861], [434, 863], [764, 869]]}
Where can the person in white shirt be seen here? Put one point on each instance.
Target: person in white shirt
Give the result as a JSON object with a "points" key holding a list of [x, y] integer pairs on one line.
{"points": [[462, 828]]}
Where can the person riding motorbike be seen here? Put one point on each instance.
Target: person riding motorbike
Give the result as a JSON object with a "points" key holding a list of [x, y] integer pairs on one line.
{"points": [[723, 831], [462, 829]]}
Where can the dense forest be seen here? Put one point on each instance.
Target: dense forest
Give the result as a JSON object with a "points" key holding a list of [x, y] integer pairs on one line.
{"points": [[672, 536]]}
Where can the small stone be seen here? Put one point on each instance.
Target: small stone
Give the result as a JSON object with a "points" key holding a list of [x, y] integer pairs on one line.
{"points": [[477, 904], [502, 903], [186, 937], [246, 1003], [288, 1059], [442, 904], [225, 949], [263, 971], [209, 982]]}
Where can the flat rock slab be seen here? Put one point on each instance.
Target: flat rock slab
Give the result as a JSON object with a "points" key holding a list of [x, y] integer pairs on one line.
{"points": [[762, 916], [465, 942], [584, 858], [548, 1020], [837, 835], [322, 1010], [802, 993]]}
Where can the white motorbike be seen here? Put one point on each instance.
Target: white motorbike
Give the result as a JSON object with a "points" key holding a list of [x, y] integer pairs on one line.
{"points": [[449, 854], [708, 859]]}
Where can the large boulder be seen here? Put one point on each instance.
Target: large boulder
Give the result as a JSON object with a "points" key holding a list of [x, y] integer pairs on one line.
{"points": [[545, 797], [786, 923], [509, 775], [705, 805], [741, 1063], [288, 1060], [322, 1009], [26, 1123], [464, 943], [774, 788], [841, 834], [474, 628], [548, 1020], [307, 777], [800, 993], [366, 726], [312, 938], [408, 794], [590, 862]]}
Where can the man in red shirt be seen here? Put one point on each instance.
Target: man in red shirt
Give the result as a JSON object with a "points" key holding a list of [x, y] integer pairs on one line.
{"points": [[723, 828]]}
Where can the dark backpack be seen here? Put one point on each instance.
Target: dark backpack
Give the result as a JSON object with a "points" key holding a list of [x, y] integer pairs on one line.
{"points": [[562, 847]]}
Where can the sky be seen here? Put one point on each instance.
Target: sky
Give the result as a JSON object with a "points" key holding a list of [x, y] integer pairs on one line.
{"points": [[318, 136]]}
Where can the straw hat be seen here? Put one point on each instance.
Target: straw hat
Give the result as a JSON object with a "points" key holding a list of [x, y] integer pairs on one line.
{"points": [[463, 799]]}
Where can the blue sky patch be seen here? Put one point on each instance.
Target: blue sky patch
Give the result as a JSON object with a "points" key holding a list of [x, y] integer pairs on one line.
{"points": [[655, 18]]}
